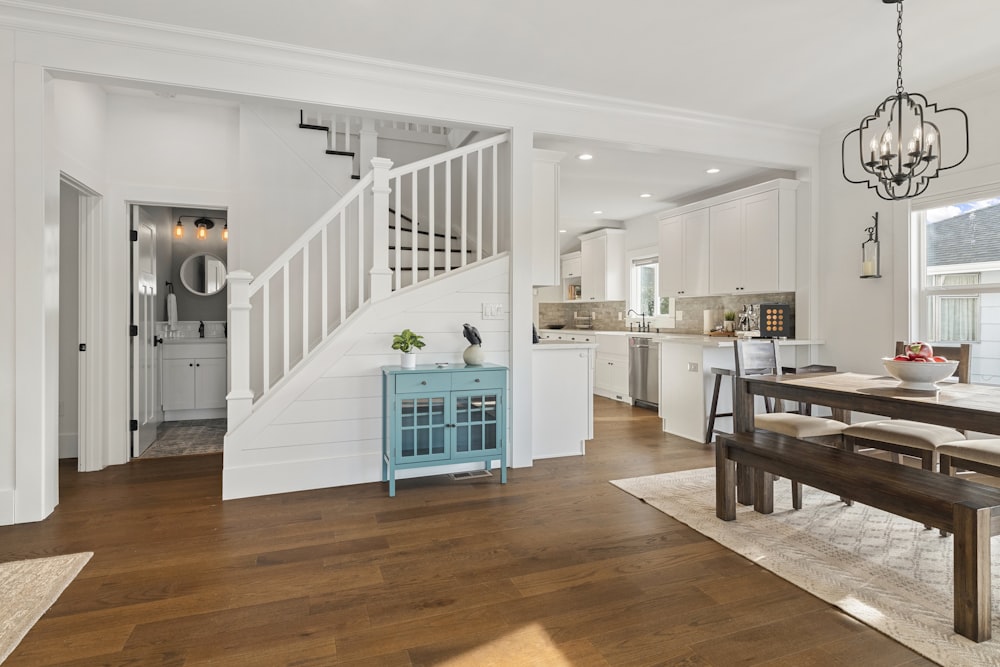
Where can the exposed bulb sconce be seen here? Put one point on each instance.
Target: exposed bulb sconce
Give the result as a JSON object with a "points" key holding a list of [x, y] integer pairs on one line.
{"points": [[870, 259], [202, 224]]}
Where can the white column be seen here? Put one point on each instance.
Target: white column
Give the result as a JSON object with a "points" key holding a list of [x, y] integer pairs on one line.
{"points": [[367, 143], [240, 397], [381, 275]]}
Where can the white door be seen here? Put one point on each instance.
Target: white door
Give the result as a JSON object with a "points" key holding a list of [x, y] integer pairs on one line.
{"points": [[146, 409]]}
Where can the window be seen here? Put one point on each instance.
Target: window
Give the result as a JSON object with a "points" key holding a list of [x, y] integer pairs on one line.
{"points": [[645, 288], [959, 269]]}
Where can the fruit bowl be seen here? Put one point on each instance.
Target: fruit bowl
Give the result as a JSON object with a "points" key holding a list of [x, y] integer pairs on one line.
{"points": [[919, 375]]}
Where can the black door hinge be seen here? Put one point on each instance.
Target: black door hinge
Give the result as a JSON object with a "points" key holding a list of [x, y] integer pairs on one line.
{"points": [[133, 425], [135, 234], [83, 347], [133, 330]]}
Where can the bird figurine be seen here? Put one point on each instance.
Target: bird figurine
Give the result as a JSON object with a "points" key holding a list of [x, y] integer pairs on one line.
{"points": [[471, 334]]}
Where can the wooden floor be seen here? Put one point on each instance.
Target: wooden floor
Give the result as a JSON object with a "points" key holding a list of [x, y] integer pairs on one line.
{"points": [[566, 567]]}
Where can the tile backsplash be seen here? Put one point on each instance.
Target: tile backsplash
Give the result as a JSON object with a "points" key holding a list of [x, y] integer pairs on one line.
{"points": [[691, 321]]}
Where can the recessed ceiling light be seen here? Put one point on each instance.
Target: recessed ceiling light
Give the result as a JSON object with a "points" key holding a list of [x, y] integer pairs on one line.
{"points": [[645, 195], [584, 156], [598, 212], [562, 231], [713, 170]]}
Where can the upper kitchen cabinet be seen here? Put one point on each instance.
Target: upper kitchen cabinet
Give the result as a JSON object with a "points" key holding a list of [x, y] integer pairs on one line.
{"points": [[603, 274], [752, 240], [683, 249], [545, 217]]}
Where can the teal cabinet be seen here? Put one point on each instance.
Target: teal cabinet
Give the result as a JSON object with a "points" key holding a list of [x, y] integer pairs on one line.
{"points": [[438, 416]]}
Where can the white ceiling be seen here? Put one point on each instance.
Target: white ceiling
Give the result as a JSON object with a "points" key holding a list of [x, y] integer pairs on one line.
{"points": [[800, 63]]}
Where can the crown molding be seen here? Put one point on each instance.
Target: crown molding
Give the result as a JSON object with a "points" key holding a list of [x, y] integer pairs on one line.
{"points": [[20, 15]]}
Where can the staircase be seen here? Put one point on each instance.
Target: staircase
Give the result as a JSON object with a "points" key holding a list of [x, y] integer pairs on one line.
{"points": [[396, 229]]}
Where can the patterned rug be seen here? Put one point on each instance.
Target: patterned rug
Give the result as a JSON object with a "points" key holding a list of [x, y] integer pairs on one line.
{"points": [[886, 571], [27, 589], [196, 436]]}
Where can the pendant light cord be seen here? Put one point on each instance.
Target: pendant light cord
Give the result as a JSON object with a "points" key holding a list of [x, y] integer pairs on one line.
{"points": [[899, 47]]}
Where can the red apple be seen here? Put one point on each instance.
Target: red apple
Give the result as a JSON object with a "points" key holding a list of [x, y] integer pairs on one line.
{"points": [[901, 357], [938, 359], [919, 350]]}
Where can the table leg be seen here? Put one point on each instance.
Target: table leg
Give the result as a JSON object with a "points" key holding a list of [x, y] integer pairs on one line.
{"points": [[972, 572], [725, 482], [763, 484], [745, 484]]}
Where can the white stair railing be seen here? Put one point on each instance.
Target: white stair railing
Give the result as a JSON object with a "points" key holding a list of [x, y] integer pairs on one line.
{"points": [[443, 206]]}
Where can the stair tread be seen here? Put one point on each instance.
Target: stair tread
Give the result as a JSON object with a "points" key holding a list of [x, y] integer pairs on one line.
{"points": [[310, 126], [330, 151], [410, 248]]}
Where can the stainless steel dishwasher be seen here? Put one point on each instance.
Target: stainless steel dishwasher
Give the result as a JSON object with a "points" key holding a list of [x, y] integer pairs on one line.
{"points": [[643, 371]]}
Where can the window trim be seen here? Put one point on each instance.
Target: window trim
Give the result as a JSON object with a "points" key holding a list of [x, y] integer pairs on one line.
{"points": [[650, 254]]}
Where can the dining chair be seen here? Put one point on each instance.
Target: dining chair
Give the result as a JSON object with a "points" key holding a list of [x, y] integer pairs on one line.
{"points": [[906, 437]]}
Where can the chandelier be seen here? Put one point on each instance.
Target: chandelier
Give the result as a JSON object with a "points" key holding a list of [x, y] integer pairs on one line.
{"points": [[899, 146]]}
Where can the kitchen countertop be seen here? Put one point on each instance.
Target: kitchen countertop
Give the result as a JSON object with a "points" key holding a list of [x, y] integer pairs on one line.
{"points": [[691, 339], [561, 345]]}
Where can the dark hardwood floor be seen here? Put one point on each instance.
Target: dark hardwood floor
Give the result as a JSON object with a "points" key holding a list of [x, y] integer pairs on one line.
{"points": [[350, 576]]}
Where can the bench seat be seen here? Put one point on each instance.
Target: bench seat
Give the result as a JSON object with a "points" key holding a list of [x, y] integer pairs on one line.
{"points": [[969, 510]]}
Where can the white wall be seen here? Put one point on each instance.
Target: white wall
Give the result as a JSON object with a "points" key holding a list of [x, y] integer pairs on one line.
{"points": [[8, 348], [861, 319]]}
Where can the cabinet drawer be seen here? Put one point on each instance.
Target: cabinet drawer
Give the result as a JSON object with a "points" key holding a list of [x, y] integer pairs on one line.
{"points": [[422, 383], [485, 379]]}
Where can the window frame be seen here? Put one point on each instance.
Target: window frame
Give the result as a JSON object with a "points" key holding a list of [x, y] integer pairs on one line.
{"points": [[638, 257]]}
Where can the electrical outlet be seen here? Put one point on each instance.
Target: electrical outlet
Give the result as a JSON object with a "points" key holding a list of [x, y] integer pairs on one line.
{"points": [[621, 316], [693, 366]]}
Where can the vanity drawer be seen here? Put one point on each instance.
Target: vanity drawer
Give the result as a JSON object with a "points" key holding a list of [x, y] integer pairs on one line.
{"points": [[422, 383], [484, 379], [200, 350]]}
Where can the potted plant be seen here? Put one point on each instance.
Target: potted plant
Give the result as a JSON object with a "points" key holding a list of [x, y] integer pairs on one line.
{"points": [[729, 318], [408, 343]]}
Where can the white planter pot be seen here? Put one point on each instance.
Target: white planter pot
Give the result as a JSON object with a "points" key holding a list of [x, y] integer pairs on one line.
{"points": [[409, 360]]}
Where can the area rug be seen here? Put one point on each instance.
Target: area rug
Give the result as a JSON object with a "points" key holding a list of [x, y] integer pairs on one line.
{"points": [[888, 572], [27, 589], [184, 438]]}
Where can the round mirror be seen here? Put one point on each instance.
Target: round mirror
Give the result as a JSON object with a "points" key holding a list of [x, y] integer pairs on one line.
{"points": [[203, 274]]}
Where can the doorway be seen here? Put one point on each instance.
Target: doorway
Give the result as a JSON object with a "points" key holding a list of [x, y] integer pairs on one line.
{"points": [[179, 330]]}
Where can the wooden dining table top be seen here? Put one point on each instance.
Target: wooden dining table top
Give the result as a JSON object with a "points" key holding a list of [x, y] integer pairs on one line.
{"points": [[973, 407]]}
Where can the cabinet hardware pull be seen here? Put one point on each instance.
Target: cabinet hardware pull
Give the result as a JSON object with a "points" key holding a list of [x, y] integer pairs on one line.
{"points": [[477, 379], [190, 365], [423, 382]]}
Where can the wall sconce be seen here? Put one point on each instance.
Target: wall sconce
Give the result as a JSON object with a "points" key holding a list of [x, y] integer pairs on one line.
{"points": [[202, 224], [870, 260]]}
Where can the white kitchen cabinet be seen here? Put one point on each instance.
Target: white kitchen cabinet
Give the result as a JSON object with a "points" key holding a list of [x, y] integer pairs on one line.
{"points": [[752, 242], [572, 265], [611, 367], [684, 254], [545, 217], [567, 336], [193, 380], [603, 255]]}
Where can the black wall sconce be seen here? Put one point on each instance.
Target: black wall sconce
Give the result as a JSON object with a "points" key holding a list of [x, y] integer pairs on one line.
{"points": [[870, 260]]}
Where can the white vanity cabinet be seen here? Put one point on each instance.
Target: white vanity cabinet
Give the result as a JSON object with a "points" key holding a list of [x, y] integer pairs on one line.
{"points": [[683, 250], [752, 241], [193, 379]]}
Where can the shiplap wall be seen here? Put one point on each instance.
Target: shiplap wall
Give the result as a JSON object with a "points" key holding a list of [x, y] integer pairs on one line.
{"points": [[322, 426]]}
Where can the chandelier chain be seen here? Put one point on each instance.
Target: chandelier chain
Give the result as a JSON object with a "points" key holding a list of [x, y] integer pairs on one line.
{"points": [[899, 47]]}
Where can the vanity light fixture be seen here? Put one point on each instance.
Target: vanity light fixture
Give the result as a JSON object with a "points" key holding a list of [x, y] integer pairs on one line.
{"points": [[201, 224], [584, 157], [899, 146]]}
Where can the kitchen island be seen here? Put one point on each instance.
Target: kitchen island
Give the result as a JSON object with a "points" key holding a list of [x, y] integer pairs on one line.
{"points": [[686, 378], [562, 383]]}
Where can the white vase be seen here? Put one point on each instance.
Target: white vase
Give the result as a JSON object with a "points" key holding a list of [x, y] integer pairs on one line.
{"points": [[409, 360], [473, 355]]}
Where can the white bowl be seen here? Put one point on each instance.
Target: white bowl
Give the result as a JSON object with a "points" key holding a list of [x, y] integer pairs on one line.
{"points": [[919, 375]]}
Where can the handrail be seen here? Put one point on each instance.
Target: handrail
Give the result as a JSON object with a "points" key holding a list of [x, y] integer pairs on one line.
{"points": [[448, 155]]}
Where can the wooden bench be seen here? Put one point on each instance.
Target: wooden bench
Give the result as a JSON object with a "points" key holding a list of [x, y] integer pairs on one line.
{"points": [[969, 510]]}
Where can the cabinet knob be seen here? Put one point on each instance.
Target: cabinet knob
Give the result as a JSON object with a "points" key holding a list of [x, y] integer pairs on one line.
{"points": [[477, 379], [190, 365], [423, 382]]}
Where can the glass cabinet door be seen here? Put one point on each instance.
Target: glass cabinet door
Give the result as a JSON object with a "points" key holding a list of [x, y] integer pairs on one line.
{"points": [[478, 419], [422, 427]]}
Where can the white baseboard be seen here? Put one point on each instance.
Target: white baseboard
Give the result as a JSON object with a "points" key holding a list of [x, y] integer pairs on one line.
{"points": [[6, 507], [185, 415], [624, 398]]}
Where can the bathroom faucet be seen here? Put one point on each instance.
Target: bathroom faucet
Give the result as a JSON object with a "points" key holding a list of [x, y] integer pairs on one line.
{"points": [[201, 329]]}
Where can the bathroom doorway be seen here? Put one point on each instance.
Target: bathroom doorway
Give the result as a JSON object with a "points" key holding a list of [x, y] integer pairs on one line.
{"points": [[179, 330]]}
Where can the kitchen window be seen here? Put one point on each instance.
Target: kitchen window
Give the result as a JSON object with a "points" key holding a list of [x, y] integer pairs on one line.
{"points": [[959, 269], [645, 286]]}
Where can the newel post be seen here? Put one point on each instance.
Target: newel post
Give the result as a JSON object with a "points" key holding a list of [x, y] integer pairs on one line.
{"points": [[240, 396], [381, 274]]}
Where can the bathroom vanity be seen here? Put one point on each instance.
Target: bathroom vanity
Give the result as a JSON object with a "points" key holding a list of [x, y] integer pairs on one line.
{"points": [[193, 377]]}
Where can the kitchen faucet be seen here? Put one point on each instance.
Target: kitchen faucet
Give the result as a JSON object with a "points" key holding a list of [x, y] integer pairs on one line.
{"points": [[642, 325]]}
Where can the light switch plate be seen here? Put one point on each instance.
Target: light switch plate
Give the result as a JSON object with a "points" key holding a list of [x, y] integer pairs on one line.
{"points": [[693, 366], [493, 311]]}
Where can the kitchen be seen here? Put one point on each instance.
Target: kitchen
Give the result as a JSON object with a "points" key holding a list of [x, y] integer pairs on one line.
{"points": [[651, 294]]}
